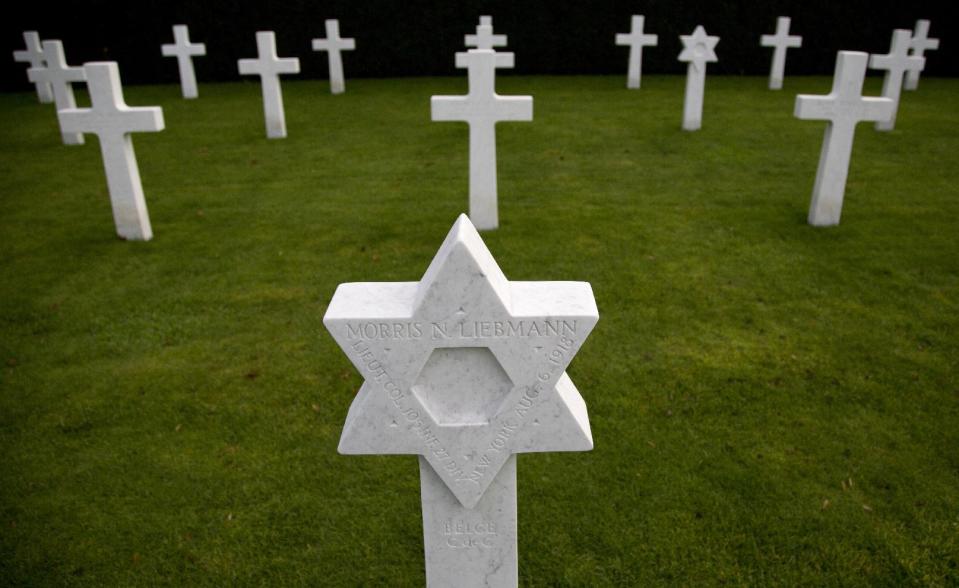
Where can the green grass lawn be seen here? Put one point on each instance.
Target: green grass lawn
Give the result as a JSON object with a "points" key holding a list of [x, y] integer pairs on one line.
{"points": [[771, 403]]}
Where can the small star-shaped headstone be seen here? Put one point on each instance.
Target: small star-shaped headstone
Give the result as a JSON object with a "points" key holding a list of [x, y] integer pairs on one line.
{"points": [[699, 48]]}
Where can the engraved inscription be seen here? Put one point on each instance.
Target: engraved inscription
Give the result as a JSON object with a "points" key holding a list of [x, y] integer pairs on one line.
{"points": [[372, 331], [400, 401], [462, 534], [557, 358]]}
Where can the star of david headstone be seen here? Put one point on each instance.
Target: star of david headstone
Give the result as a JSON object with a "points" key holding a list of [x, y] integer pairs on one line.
{"points": [[465, 369], [698, 50]]}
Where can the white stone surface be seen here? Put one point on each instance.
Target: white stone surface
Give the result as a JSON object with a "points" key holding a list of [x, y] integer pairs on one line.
{"points": [[465, 369], [484, 37], [33, 55], [269, 67], [636, 39], [184, 51], [698, 50], [470, 546], [895, 63], [780, 41], [918, 45], [60, 77], [843, 107], [333, 44], [112, 121], [482, 108]]}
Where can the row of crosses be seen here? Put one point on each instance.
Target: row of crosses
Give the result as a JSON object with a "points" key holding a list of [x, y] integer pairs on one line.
{"points": [[780, 41], [113, 121]]}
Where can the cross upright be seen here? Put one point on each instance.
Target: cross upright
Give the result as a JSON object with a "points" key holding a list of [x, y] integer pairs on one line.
{"points": [[33, 54], [482, 108], [781, 41], [698, 50], [333, 44], [484, 37], [635, 39], [896, 63], [112, 121], [184, 51], [269, 67], [919, 44], [843, 108], [59, 76]]}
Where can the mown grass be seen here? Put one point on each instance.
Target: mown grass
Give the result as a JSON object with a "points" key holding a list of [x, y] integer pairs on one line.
{"points": [[772, 404]]}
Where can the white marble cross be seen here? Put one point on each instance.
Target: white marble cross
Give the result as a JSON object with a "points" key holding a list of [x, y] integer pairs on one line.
{"points": [[60, 77], [184, 51], [843, 107], [896, 62], [636, 39], [112, 121], [269, 67], [333, 44], [465, 369], [918, 45], [782, 41], [484, 37], [482, 108], [698, 49], [33, 55]]}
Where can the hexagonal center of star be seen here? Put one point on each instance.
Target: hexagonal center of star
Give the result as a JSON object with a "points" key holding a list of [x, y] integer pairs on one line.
{"points": [[462, 385]]}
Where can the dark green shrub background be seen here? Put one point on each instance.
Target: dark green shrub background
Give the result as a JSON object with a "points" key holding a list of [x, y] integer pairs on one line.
{"points": [[419, 37]]}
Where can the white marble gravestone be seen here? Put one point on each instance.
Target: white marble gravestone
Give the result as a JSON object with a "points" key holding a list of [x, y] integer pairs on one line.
{"points": [[780, 41], [333, 44], [698, 50], [184, 51], [843, 107], [484, 37], [33, 55], [482, 108], [269, 67], [112, 121], [918, 45], [60, 77], [636, 39], [465, 369], [896, 63]]}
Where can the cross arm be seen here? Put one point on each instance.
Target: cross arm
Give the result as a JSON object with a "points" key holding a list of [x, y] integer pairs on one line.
{"points": [[812, 107], [877, 108], [514, 108], [502, 59], [141, 119], [249, 67], [449, 108], [892, 61]]}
